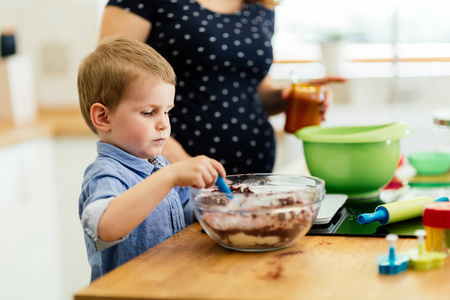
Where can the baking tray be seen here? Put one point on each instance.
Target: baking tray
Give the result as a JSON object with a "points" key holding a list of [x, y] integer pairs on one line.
{"points": [[345, 222]]}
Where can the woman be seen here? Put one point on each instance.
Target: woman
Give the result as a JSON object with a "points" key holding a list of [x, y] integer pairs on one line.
{"points": [[221, 52]]}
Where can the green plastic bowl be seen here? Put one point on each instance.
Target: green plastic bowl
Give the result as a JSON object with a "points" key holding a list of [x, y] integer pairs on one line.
{"points": [[353, 160], [430, 163]]}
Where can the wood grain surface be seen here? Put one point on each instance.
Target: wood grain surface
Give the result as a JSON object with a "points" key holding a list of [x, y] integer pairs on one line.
{"points": [[190, 265]]}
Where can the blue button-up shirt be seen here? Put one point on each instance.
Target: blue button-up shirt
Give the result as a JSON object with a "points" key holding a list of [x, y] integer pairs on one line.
{"points": [[113, 172]]}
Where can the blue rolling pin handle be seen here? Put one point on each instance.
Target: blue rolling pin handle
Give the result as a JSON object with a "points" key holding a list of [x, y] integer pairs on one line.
{"points": [[381, 216], [220, 182], [442, 199]]}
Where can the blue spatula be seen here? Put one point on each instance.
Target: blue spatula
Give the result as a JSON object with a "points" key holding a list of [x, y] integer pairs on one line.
{"points": [[223, 187]]}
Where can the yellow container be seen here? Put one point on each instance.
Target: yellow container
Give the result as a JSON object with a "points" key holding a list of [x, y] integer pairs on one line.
{"points": [[436, 220]]}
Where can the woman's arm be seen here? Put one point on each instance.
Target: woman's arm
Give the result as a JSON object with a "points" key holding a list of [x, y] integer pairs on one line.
{"points": [[272, 96], [119, 21], [173, 151]]}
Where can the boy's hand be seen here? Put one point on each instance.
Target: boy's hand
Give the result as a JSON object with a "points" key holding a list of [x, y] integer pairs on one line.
{"points": [[198, 172]]}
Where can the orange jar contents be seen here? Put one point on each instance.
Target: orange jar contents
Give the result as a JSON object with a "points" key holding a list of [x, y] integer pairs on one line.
{"points": [[436, 220], [304, 106]]}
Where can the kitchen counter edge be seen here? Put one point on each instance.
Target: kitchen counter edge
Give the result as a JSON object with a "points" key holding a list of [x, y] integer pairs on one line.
{"points": [[48, 123]]}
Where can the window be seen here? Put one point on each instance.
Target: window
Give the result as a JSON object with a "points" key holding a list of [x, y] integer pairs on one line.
{"points": [[382, 31]]}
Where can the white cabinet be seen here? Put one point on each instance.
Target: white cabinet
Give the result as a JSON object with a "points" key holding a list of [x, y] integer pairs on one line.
{"points": [[72, 156], [29, 250], [42, 252]]}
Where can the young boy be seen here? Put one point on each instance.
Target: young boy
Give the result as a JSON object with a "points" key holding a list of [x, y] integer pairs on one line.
{"points": [[129, 204]]}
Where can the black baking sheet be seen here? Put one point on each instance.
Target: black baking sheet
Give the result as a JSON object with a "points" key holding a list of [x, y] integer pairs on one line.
{"points": [[345, 222]]}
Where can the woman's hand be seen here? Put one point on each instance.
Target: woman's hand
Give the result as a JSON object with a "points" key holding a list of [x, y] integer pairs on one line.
{"points": [[322, 81], [326, 80], [328, 93]]}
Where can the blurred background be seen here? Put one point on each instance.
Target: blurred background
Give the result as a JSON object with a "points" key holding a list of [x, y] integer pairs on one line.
{"points": [[395, 54]]}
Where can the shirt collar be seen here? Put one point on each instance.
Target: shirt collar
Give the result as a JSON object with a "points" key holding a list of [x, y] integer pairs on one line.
{"points": [[125, 158]]}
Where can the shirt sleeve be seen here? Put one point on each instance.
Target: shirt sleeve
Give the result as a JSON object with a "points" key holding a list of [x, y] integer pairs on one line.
{"points": [[185, 195], [142, 8], [188, 205], [102, 184], [90, 219]]}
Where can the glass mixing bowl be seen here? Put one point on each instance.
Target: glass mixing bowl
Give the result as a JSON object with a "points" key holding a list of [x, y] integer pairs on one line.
{"points": [[265, 212]]}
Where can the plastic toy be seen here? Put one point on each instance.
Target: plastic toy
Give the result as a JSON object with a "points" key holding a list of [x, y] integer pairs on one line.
{"points": [[392, 263], [422, 259]]}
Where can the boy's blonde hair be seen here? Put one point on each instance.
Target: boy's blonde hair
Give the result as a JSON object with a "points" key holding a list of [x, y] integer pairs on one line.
{"points": [[104, 74]]}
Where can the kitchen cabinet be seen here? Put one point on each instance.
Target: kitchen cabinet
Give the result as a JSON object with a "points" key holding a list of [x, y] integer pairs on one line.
{"points": [[42, 254], [29, 251], [72, 156]]}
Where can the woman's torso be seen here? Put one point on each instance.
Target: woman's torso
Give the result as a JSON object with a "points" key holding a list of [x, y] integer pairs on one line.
{"points": [[219, 60]]}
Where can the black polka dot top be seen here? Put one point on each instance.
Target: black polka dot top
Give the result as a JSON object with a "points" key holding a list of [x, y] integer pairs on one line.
{"points": [[219, 60]]}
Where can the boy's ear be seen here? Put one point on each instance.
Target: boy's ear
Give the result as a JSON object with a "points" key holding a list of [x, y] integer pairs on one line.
{"points": [[99, 117]]}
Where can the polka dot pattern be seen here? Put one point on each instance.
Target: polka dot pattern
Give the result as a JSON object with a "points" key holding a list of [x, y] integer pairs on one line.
{"points": [[219, 60]]}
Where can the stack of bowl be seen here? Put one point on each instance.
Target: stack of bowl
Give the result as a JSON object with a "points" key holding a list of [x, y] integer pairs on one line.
{"points": [[430, 163]]}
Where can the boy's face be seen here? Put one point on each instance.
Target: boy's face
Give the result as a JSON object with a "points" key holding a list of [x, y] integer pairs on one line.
{"points": [[140, 123]]}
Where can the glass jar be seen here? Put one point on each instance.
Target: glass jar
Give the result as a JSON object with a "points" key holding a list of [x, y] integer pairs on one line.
{"points": [[305, 106], [441, 120]]}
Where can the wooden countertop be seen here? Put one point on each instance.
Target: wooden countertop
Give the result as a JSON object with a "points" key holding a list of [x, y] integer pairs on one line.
{"points": [[49, 122], [190, 265]]}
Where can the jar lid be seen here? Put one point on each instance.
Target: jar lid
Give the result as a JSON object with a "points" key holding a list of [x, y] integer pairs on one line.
{"points": [[437, 215]]}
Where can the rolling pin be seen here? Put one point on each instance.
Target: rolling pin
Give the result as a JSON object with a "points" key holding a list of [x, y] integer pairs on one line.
{"points": [[398, 211]]}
